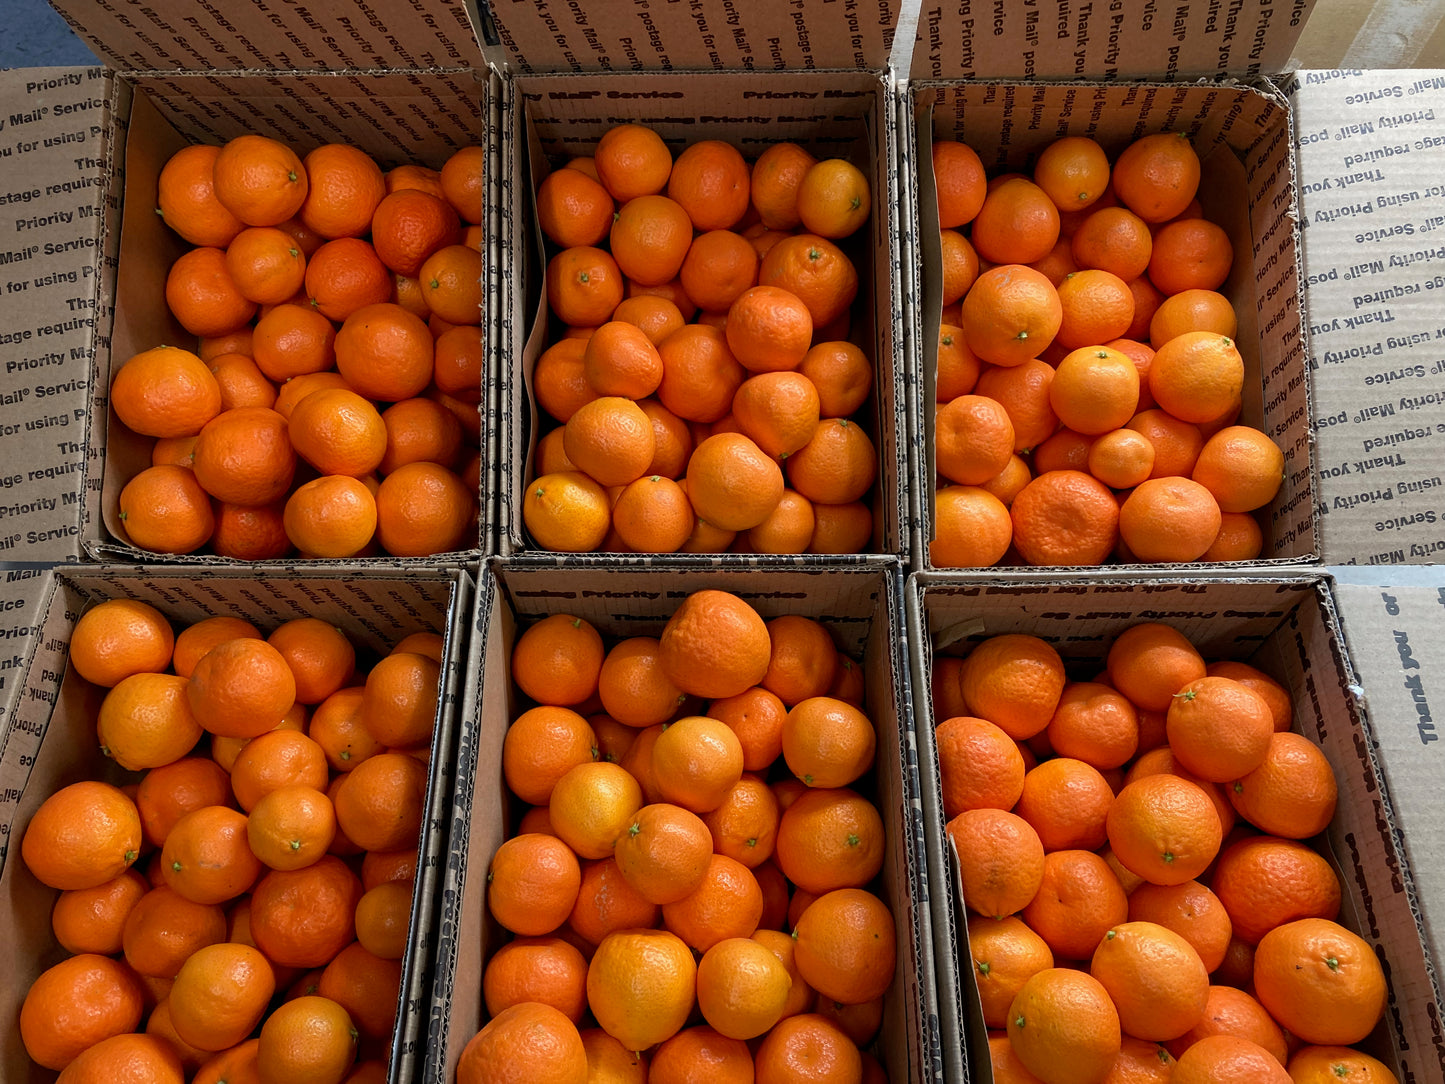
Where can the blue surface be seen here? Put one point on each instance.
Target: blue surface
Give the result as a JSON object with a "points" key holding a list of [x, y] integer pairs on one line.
{"points": [[36, 37]]}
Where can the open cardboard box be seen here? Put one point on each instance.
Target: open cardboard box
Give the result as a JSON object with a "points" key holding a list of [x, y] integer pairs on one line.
{"points": [[743, 76], [860, 604], [962, 88], [1286, 626], [50, 741], [402, 87]]}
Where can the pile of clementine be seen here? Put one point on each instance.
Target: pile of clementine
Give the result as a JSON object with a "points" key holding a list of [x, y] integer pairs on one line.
{"points": [[1089, 384], [691, 884], [329, 404], [1135, 854], [247, 896], [699, 387]]}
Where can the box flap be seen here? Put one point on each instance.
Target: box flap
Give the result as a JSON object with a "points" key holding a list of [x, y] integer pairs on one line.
{"points": [[665, 35], [1105, 39], [186, 35], [54, 142], [23, 591], [1396, 640], [1372, 157]]}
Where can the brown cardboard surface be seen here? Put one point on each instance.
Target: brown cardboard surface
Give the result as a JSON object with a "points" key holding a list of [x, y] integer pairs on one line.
{"points": [[163, 35], [22, 594], [50, 741], [56, 138], [1371, 161], [1091, 39], [860, 607], [1242, 134], [396, 117], [1396, 641], [833, 114], [664, 35], [1287, 627]]}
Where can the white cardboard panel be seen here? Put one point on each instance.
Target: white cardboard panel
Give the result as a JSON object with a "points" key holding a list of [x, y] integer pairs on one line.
{"points": [[1372, 159]]}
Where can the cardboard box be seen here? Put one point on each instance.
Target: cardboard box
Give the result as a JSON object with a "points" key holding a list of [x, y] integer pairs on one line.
{"points": [[49, 741], [1286, 626], [1371, 159], [1396, 644], [859, 604], [57, 134], [1241, 130], [402, 85], [750, 76]]}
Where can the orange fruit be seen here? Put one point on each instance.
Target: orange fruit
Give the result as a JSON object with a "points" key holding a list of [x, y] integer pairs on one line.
{"points": [[241, 688], [1150, 662], [1113, 239], [1018, 223], [379, 804], [756, 716], [384, 352], [1197, 376], [769, 329], [1190, 254], [807, 1047], [641, 985], [1012, 681], [1004, 954], [829, 839], [293, 341], [1273, 693], [344, 187], [827, 742], [649, 239], [779, 411], [611, 439], [346, 275], [408, 226], [816, 271], [1241, 467], [165, 392], [423, 509], [557, 660], [1223, 1059], [1169, 519], [841, 528], [244, 456], [332, 516], [1066, 801], [1240, 538], [712, 183], [745, 826], [76, 1004], [120, 637], [742, 988], [566, 511], [148, 1057], [573, 208], [979, 765], [699, 374], [265, 265], [774, 184], [1329, 1064], [164, 509], [697, 760], [834, 199], [291, 827], [420, 431], [1265, 882], [546, 970], [1157, 175], [186, 199], [632, 160], [959, 180], [1000, 860], [973, 439], [634, 687], [338, 432], [1095, 724], [1023, 392], [258, 180], [1097, 306], [1064, 1028], [399, 704], [308, 1038], [1192, 310], [619, 359], [1154, 977], [1121, 459], [93, 919], [606, 903], [972, 528], [1095, 390], [1164, 829], [1320, 981], [206, 857], [532, 884], [451, 283], [1219, 729], [1189, 909], [958, 368], [1011, 314], [383, 919], [803, 658], [1078, 901], [525, 1042], [584, 286], [1073, 171], [241, 382], [1292, 792], [728, 902], [715, 645], [592, 805], [664, 853], [837, 466], [845, 946], [220, 995], [1228, 1011], [164, 928], [1065, 517], [82, 836]]}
